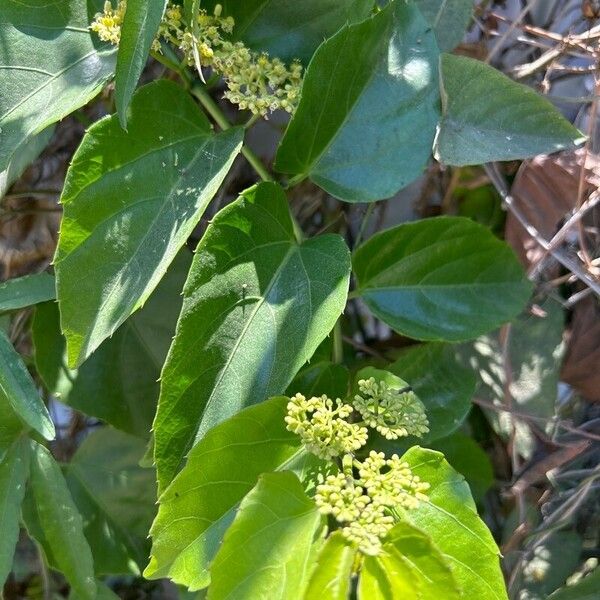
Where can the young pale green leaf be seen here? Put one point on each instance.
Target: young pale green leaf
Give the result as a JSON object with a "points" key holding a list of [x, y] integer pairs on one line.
{"points": [[197, 508], [18, 390], [266, 553], [140, 25], [119, 382], [116, 499], [389, 581], [25, 291], [14, 470], [256, 306], [370, 92], [131, 199], [413, 567], [488, 117], [321, 378], [53, 520], [330, 579], [289, 29], [22, 156], [449, 19], [445, 278], [451, 520], [442, 383], [58, 68]]}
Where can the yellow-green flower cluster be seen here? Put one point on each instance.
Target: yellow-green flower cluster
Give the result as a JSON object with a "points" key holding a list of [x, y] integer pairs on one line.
{"points": [[255, 81], [321, 424], [365, 496], [392, 412], [107, 24], [364, 505]]}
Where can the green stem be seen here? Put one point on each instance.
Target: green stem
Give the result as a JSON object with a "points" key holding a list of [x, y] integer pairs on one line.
{"points": [[364, 223], [213, 109], [338, 344]]}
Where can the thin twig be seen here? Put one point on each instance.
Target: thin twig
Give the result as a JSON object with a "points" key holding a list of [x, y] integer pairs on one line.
{"points": [[576, 268]]}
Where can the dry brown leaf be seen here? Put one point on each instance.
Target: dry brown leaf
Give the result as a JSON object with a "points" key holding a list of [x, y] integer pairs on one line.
{"points": [[546, 190], [581, 366]]}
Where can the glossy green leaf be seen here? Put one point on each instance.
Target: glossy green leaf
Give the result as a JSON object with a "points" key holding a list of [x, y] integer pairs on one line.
{"points": [[53, 520], [289, 29], [25, 291], [266, 552], [131, 199], [321, 378], [445, 278], [139, 28], [361, 110], [256, 306], [585, 589], [51, 65], [22, 156], [14, 470], [331, 578], [466, 456], [119, 382], [18, 390], [440, 381], [410, 566], [449, 19], [488, 117], [116, 499], [197, 508], [450, 519]]}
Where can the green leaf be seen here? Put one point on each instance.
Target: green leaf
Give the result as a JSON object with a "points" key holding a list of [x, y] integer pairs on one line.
{"points": [[466, 456], [51, 66], [256, 306], [266, 552], [450, 519], [321, 378], [487, 117], [23, 155], [443, 385], [445, 278], [550, 564], [585, 589], [449, 19], [289, 29], [139, 28], [18, 391], [116, 499], [119, 382], [200, 504], [14, 470], [331, 578], [53, 520], [131, 199], [411, 561], [25, 291], [370, 92], [520, 366]]}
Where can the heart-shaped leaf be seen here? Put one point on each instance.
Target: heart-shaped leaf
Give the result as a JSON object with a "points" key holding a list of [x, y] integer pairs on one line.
{"points": [[256, 306], [362, 111], [445, 278], [488, 117], [51, 66], [131, 200]]}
